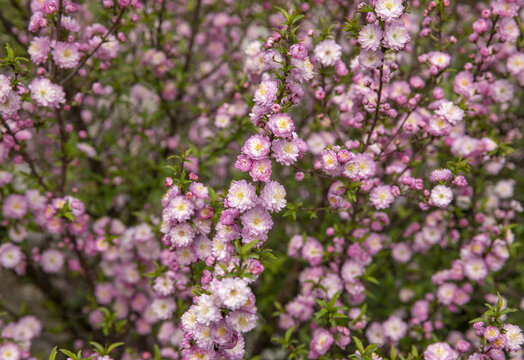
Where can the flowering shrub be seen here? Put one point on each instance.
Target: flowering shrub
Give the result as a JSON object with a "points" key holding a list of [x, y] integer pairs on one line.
{"points": [[207, 179]]}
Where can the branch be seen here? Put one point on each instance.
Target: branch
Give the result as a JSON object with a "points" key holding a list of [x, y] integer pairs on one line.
{"points": [[375, 118], [104, 39], [492, 33], [187, 62], [26, 157], [63, 154]]}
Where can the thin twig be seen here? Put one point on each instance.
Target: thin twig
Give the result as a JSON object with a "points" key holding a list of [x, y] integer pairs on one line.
{"points": [[377, 110], [26, 157], [63, 153], [491, 35], [88, 56], [195, 23]]}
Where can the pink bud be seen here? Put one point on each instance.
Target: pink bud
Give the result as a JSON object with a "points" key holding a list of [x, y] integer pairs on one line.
{"points": [[395, 191], [23, 135], [206, 277], [18, 159], [479, 217], [438, 93], [210, 261], [255, 267], [485, 51], [71, 8], [423, 206], [425, 32]]}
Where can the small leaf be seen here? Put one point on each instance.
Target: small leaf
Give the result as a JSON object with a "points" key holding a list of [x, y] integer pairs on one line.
{"points": [[476, 320], [320, 313], [289, 332], [52, 356], [333, 300], [358, 344], [114, 346], [157, 353], [10, 52], [71, 354], [507, 311], [414, 351], [284, 12], [99, 348], [392, 353]]}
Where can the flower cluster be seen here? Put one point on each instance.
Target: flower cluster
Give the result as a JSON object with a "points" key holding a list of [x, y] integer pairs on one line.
{"points": [[341, 179], [491, 338]]}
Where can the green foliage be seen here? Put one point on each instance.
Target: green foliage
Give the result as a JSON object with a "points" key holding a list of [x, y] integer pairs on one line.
{"points": [[15, 62], [179, 172], [329, 313], [326, 31], [52, 356], [493, 316], [105, 350], [364, 353], [460, 166], [292, 210], [295, 349], [110, 322], [351, 26], [98, 348], [291, 19]]}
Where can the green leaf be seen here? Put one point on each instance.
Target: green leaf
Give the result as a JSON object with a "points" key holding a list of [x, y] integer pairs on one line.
{"points": [[498, 306], [333, 300], [71, 354], [120, 325], [289, 332], [507, 311], [99, 348], [321, 313], [296, 19], [10, 53], [338, 315], [414, 351], [366, 8], [358, 344], [52, 356], [392, 353], [371, 279], [245, 249], [322, 303], [284, 12], [157, 353], [114, 346], [224, 268]]}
